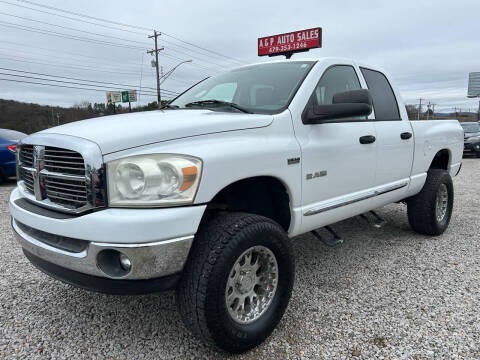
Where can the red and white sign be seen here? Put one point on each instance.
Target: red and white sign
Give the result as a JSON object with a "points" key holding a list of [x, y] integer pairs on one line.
{"points": [[290, 42]]}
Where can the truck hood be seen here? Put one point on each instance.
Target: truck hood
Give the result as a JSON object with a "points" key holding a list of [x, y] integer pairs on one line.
{"points": [[119, 132]]}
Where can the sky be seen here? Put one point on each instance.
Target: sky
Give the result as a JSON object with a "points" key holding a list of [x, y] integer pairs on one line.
{"points": [[427, 47]]}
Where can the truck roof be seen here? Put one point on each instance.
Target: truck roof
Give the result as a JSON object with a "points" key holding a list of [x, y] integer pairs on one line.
{"points": [[313, 59]]}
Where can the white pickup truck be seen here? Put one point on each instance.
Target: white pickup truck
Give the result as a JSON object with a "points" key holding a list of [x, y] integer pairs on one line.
{"points": [[204, 195]]}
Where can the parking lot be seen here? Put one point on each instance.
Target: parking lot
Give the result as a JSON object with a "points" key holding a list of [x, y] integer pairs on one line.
{"points": [[387, 293]]}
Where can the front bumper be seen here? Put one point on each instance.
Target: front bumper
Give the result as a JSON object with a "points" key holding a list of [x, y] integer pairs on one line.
{"points": [[149, 260], [156, 241]]}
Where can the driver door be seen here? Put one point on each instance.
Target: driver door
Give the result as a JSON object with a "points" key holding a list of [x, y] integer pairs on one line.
{"points": [[337, 169]]}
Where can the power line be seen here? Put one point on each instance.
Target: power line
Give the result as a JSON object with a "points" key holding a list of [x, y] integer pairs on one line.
{"points": [[199, 47], [68, 82], [72, 78], [108, 36], [83, 62], [74, 19], [128, 25], [61, 86], [85, 68], [70, 28], [85, 16], [85, 39], [56, 51], [38, 55], [102, 25], [69, 36]]}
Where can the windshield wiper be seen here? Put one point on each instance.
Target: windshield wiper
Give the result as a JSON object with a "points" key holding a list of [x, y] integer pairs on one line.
{"points": [[218, 102], [168, 106]]}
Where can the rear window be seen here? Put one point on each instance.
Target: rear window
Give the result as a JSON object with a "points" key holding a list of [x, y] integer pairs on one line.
{"points": [[384, 101], [11, 135]]}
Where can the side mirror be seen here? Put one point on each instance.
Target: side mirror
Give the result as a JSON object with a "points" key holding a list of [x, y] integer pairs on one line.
{"points": [[344, 105]]}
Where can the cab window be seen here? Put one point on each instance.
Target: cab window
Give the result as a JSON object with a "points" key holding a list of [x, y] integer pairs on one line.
{"points": [[336, 79], [384, 101]]}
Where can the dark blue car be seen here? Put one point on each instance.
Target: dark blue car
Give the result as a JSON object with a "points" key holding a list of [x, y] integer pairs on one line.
{"points": [[8, 145]]}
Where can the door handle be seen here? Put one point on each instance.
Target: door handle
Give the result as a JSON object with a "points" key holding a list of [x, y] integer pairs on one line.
{"points": [[406, 135], [367, 139]]}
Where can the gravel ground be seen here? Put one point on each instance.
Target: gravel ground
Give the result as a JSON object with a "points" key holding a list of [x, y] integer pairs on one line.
{"points": [[385, 293]]}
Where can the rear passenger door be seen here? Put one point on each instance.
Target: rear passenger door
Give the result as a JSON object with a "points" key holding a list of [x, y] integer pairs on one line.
{"points": [[394, 136]]}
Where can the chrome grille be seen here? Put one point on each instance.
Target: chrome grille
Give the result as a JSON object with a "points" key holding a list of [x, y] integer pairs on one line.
{"points": [[66, 191], [27, 178], [63, 161], [61, 172], [26, 155]]}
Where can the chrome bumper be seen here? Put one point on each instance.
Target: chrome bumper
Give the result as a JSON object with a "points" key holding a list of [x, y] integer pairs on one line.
{"points": [[149, 260]]}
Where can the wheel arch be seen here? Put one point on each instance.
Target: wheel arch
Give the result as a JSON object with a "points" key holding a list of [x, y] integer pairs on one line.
{"points": [[263, 195], [441, 160]]}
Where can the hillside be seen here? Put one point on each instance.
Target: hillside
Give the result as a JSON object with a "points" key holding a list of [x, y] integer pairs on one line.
{"points": [[30, 118]]}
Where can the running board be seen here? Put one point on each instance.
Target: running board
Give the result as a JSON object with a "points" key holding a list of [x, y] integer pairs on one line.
{"points": [[378, 220], [335, 240]]}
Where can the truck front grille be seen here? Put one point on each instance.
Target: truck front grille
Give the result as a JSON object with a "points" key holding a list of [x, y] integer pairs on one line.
{"points": [[27, 178], [60, 178], [63, 161], [26, 155], [66, 191]]}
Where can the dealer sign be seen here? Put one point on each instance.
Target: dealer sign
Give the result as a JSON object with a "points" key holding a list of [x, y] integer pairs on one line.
{"points": [[288, 43]]}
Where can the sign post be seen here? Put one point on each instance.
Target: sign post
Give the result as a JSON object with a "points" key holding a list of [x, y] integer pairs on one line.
{"points": [[129, 96], [289, 43], [113, 97], [121, 96]]}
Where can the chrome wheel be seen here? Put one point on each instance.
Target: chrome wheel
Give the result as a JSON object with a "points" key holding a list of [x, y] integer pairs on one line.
{"points": [[251, 284], [442, 202]]}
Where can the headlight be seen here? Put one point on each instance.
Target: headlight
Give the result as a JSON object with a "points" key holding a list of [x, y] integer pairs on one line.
{"points": [[153, 180]]}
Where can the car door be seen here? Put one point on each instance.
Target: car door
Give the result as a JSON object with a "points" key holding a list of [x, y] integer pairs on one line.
{"points": [[337, 169], [395, 143]]}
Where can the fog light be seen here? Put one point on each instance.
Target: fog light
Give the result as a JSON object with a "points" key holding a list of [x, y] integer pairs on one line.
{"points": [[114, 263], [125, 262]]}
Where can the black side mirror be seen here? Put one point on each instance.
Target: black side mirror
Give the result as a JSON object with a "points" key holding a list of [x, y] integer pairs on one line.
{"points": [[344, 105]]}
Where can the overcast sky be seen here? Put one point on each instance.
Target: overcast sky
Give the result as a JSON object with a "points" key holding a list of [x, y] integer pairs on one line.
{"points": [[428, 47]]}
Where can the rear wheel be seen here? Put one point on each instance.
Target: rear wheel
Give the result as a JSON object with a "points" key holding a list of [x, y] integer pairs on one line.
{"points": [[429, 211], [237, 281]]}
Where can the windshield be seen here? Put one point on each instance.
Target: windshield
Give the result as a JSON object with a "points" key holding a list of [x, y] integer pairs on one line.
{"points": [[471, 128], [264, 88]]}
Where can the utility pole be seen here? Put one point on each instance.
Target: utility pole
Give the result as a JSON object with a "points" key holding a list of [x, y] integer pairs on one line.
{"points": [[419, 108], [58, 118], [433, 111], [155, 53]]}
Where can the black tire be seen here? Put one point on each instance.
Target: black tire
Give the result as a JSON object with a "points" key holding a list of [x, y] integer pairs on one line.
{"points": [[201, 292], [422, 207]]}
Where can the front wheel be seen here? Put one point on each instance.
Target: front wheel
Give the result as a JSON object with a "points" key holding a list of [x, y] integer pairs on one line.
{"points": [[237, 281], [429, 211]]}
